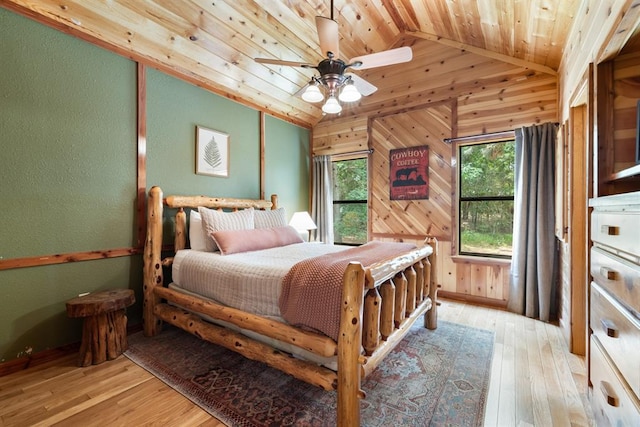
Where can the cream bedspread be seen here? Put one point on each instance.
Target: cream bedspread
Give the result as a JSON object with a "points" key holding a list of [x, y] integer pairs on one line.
{"points": [[249, 281]]}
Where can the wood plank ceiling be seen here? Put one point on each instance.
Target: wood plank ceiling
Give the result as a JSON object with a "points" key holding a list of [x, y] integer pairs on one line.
{"points": [[213, 43]]}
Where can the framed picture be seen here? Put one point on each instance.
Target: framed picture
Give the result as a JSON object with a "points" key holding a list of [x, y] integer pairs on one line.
{"points": [[212, 152], [409, 173]]}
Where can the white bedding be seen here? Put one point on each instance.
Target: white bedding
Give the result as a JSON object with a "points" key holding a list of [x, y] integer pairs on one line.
{"points": [[248, 281]]}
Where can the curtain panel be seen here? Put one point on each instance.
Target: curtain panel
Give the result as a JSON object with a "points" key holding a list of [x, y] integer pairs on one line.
{"points": [[322, 199], [532, 280]]}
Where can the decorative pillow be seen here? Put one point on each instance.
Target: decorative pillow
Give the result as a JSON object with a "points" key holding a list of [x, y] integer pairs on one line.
{"points": [[196, 233], [270, 218], [213, 220], [235, 241]]}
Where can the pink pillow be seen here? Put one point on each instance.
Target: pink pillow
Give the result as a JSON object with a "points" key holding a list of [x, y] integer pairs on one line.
{"points": [[235, 241]]}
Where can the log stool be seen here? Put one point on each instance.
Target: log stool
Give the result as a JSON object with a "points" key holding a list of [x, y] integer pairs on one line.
{"points": [[104, 329]]}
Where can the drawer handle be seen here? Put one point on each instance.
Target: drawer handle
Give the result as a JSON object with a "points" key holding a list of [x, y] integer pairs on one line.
{"points": [[609, 230], [608, 273], [609, 394], [609, 328]]}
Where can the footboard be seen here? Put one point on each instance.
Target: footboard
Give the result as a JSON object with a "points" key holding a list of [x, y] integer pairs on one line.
{"points": [[380, 304]]}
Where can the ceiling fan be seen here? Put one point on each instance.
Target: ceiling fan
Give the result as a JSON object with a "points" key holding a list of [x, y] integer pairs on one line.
{"points": [[346, 87]]}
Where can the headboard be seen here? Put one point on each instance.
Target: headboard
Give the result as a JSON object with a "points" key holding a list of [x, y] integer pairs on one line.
{"points": [[153, 261]]}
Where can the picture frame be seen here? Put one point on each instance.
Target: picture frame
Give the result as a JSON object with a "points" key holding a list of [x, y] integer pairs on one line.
{"points": [[409, 173], [212, 152]]}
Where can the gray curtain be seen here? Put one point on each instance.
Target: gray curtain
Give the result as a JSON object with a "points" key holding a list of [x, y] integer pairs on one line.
{"points": [[532, 281], [322, 199]]}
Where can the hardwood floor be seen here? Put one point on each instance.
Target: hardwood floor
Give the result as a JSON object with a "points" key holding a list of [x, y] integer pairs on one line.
{"points": [[535, 381]]}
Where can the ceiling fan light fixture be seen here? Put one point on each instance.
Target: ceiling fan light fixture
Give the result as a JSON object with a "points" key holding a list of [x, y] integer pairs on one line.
{"points": [[332, 106], [349, 93], [312, 93]]}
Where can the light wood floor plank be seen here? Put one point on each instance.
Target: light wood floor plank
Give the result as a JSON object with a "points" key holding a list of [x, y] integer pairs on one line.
{"points": [[534, 381]]}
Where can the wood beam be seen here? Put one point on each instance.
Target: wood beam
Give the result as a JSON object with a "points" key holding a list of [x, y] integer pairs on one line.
{"points": [[484, 52]]}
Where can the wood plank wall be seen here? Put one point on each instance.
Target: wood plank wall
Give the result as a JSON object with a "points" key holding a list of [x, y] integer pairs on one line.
{"points": [[444, 92]]}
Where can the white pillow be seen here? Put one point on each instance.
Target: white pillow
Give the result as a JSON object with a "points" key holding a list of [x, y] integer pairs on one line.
{"points": [[213, 220], [270, 218], [196, 233]]}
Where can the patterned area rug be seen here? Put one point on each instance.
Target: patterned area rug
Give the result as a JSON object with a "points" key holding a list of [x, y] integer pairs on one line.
{"points": [[436, 378]]}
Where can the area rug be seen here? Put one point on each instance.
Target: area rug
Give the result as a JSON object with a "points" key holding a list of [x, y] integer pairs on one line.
{"points": [[432, 378]]}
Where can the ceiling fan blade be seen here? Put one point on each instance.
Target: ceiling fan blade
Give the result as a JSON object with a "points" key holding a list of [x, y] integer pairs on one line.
{"points": [[279, 62], [380, 59], [364, 87], [328, 36]]}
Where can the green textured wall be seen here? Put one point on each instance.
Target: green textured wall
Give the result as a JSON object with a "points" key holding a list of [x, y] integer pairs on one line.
{"points": [[287, 164], [68, 170], [67, 176], [174, 108]]}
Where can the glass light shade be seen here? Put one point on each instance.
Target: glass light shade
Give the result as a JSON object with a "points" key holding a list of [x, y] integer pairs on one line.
{"points": [[332, 106], [349, 93], [312, 94]]}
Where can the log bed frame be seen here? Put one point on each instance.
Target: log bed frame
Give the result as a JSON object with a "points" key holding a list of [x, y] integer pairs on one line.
{"points": [[380, 304]]}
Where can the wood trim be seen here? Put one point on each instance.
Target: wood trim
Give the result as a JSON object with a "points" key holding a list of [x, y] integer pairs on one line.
{"points": [[578, 223], [141, 173], [621, 32], [39, 358], [263, 145], [7, 264], [478, 260], [475, 300], [399, 237]]}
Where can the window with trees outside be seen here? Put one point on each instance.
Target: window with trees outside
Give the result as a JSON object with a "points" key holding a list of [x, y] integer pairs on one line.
{"points": [[350, 194], [486, 187]]}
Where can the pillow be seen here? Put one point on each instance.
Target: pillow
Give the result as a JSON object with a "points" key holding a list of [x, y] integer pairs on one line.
{"points": [[270, 218], [235, 241], [213, 220], [196, 233]]}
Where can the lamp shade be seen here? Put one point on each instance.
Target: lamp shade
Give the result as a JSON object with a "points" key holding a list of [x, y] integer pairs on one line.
{"points": [[302, 221], [312, 94], [349, 93], [332, 106]]}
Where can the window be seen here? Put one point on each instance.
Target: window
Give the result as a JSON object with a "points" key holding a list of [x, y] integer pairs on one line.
{"points": [[486, 186], [350, 201]]}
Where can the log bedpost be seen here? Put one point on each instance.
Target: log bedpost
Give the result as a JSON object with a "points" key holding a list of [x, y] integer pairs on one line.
{"points": [[152, 261], [349, 341], [274, 201], [431, 319]]}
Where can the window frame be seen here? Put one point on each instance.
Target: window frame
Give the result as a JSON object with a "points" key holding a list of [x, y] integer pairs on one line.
{"points": [[459, 145], [365, 202]]}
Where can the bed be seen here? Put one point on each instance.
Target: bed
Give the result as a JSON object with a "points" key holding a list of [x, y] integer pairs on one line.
{"points": [[378, 300]]}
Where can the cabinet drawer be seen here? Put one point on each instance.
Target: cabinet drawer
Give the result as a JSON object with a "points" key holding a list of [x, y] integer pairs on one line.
{"points": [[611, 401], [620, 230], [619, 277], [619, 334]]}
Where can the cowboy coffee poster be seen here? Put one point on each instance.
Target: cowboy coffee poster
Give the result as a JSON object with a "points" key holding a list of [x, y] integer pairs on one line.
{"points": [[409, 173]]}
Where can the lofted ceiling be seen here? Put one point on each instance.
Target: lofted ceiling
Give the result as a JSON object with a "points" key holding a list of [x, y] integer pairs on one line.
{"points": [[212, 43]]}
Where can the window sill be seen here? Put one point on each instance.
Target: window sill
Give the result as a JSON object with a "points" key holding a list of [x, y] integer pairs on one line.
{"points": [[466, 259]]}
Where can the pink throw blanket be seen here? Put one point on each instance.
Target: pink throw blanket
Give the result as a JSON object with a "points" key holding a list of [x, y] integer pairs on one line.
{"points": [[312, 290]]}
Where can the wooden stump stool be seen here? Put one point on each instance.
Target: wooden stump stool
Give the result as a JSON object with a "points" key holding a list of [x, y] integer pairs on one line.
{"points": [[104, 329]]}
